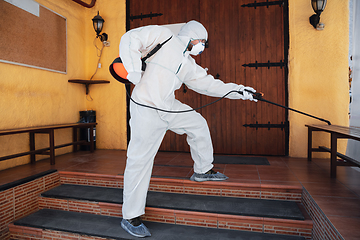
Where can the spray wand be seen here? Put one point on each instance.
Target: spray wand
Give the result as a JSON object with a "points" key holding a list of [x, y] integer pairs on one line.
{"points": [[259, 96]]}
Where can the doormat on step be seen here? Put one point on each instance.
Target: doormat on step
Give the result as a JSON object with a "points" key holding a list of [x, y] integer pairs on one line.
{"points": [[241, 160]]}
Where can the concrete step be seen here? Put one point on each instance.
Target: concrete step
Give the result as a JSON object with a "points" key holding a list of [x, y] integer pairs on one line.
{"points": [[57, 224], [245, 211], [186, 202], [222, 188], [259, 215]]}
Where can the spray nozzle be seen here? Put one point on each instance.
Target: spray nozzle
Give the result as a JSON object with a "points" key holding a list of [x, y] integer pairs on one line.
{"points": [[256, 95]]}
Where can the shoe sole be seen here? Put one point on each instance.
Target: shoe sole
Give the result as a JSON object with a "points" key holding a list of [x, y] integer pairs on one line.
{"points": [[128, 231], [210, 179]]}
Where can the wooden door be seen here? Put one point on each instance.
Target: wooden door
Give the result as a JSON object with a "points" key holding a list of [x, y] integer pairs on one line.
{"points": [[246, 46]]}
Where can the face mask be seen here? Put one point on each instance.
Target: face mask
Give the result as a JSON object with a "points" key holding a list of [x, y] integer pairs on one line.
{"points": [[197, 49]]}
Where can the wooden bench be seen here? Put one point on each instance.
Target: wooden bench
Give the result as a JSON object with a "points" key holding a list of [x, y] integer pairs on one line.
{"points": [[337, 132], [50, 130]]}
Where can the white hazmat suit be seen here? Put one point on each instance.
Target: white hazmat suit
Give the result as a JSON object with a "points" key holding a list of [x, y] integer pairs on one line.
{"points": [[166, 71]]}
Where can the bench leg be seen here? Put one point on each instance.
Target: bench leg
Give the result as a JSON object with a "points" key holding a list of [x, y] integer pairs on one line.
{"points": [[309, 144], [333, 155], [52, 148], [75, 146], [92, 139], [32, 147]]}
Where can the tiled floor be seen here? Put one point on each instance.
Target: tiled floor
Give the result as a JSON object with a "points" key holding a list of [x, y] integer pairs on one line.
{"points": [[338, 198]]}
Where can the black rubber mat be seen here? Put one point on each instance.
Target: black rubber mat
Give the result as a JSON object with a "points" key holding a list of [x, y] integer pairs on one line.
{"points": [[201, 203], [26, 180], [241, 160], [109, 227]]}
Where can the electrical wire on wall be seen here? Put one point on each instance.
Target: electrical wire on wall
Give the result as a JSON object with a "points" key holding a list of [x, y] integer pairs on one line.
{"points": [[98, 53]]}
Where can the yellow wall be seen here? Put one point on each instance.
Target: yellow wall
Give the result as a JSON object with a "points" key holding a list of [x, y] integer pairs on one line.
{"points": [[318, 71], [109, 99], [33, 97], [318, 83]]}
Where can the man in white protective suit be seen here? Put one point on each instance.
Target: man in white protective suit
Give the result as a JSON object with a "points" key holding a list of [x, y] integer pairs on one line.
{"points": [[166, 71]]}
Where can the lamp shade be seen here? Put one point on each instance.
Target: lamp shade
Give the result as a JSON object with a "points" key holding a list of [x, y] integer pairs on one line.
{"points": [[98, 23], [318, 6]]}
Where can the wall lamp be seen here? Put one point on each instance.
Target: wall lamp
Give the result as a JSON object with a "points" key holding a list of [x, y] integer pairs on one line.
{"points": [[98, 23], [318, 6]]}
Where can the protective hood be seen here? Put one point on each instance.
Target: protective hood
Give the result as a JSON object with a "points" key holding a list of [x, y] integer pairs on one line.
{"points": [[194, 30]]}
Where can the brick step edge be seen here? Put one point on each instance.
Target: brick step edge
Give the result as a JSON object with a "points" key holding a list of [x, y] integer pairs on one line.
{"points": [[226, 188], [211, 220], [22, 200], [22, 232]]}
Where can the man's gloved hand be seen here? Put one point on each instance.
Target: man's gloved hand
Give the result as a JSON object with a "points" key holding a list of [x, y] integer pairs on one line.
{"points": [[246, 95], [134, 77]]}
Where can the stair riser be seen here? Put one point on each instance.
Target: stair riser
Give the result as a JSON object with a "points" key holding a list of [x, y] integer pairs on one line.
{"points": [[21, 232], [223, 221], [107, 209], [226, 189], [21, 200]]}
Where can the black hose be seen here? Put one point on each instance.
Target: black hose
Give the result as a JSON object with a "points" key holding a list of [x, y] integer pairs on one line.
{"points": [[182, 111], [257, 96]]}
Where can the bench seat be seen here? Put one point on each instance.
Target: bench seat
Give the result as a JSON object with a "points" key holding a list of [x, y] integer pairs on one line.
{"points": [[337, 132]]}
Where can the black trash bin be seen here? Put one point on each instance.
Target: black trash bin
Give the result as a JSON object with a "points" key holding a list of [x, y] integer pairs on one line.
{"points": [[87, 117]]}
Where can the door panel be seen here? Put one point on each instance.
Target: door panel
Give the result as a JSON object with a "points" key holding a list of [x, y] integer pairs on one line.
{"points": [[237, 36]]}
